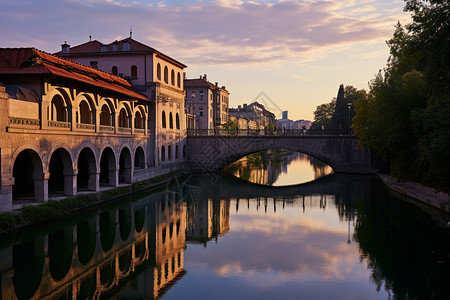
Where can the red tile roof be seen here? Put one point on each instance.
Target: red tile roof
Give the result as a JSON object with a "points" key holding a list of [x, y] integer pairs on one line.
{"points": [[32, 61], [94, 47], [199, 82]]}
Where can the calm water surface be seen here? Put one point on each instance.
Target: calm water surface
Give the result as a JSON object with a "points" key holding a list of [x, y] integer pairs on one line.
{"points": [[215, 237]]}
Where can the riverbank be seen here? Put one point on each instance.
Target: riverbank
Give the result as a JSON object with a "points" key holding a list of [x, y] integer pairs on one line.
{"points": [[45, 212], [436, 204]]}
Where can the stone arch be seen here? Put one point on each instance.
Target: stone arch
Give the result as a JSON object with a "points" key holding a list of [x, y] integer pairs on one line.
{"points": [[123, 118], [125, 166], [170, 120], [28, 173], [178, 80], [177, 121], [169, 152], [172, 77], [61, 175], [139, 158], [87, 178], [60, 105], [176, 151], [107, 112], [138, 120], [108, 168], [85, 112]]}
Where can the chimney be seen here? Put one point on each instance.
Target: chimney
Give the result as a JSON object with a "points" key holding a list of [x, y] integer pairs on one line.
{"points": [[65, 48], [204, 76], [239, 107], [223, 87], [217, 84], [245, 105]]}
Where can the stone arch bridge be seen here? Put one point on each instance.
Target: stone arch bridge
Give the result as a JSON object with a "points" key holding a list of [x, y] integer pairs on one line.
{"points": [[211, 153]]}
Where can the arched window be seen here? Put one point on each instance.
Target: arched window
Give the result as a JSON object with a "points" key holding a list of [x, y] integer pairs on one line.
{"points": [[169, 152], [138, 123], [166, 75], [170, 120], [133, 71], [85, 112], [172, 77], [158, 71], [105, 116], [123, 118], [176, 151], [179, 80], [58, 112], [163, 119], [184, 150], [114, 70], [177, 120], [163, 153]]}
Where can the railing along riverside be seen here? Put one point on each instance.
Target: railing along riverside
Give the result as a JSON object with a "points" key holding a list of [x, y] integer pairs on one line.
{"points": [[266, 132], [106, 128], [125, 130], [58, 124], [86, 126], [23, 121]]}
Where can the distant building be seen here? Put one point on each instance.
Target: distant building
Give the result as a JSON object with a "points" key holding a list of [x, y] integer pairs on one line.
{"points": [[207, 101], [285, 115], [289, 124], [256, 115], [153, 74]]}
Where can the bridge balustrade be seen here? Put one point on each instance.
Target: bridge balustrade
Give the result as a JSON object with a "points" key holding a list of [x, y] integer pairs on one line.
{"points": [[265, 132]]}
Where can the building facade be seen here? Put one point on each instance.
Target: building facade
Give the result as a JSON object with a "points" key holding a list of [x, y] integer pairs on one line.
{"points": [[152, 73], [65, 128], [207, 102], [257, 116]]}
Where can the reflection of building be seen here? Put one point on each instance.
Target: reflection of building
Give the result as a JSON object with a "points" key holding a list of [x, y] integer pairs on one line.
{"points": [[256, 115], [207, 101], [207, 219], [152, 73]]}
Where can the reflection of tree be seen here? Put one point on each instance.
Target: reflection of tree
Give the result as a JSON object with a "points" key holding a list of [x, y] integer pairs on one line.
{"points": [[403, 248]]}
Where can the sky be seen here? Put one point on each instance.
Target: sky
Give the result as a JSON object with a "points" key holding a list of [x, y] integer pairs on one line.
{"points": [[287, 54]]}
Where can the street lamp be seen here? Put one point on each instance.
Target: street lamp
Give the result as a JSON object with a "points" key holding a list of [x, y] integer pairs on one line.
{"points": [[349, 106]]}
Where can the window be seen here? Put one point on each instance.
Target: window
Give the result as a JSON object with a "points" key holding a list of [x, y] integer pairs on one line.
{"points": [[166, 75], [123, 118], [114, 70], [163, 119], [94, 64], [170, 120], [179, 80], [169, 153], [133, 71], [177, 120], [176, 157], [172, 77], [158, 71], [163, 153]]}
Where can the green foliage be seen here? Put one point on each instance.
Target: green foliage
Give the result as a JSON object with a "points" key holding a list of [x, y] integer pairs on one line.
{"points": [[230, 124], [323, 115], [7, 220], [404, 118]]}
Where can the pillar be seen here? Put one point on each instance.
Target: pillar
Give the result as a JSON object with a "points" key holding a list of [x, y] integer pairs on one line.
{"points": [[41, 186], [70, 182], [6, 193], [114, 178]]}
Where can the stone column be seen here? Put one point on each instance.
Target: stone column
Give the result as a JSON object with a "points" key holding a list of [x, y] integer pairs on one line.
{"points": [[70, 182], [41, 186], [114, 178], [94, 181], [6, 193]]}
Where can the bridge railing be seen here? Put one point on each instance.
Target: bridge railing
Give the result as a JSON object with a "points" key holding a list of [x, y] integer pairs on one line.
{"points": [[264, 132]]}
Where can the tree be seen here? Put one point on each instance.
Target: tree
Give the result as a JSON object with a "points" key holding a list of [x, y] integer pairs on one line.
{"points": [[323, 115]]}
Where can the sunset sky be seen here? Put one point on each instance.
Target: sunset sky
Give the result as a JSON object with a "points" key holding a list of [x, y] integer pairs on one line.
{"points": [[290, 55]]}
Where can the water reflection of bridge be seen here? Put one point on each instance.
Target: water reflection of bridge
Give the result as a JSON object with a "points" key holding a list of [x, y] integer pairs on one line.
{"points": [[136, 249]]}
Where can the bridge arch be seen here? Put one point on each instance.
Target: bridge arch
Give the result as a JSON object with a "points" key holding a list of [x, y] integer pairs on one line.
{"points": [[212, 153]]}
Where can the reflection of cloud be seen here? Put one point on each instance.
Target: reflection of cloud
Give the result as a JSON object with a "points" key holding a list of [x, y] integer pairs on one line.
{"points": [[282, 248], [220, 31]]}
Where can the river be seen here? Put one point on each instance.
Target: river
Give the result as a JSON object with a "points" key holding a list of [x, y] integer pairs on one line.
{"points": [[287, 229]]}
